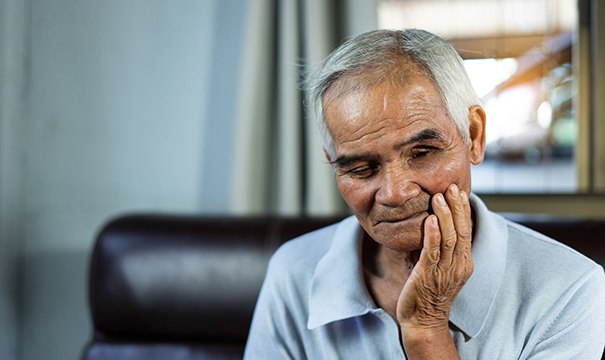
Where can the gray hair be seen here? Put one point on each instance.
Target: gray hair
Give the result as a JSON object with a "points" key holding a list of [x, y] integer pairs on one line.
{"points": [[384, 49]]}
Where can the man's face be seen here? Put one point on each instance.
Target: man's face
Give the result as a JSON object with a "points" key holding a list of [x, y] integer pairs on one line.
{"points": [[396, 146]]}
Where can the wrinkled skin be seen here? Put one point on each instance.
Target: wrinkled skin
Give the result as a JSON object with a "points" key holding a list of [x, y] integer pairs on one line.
{"points": [[404, 170]]}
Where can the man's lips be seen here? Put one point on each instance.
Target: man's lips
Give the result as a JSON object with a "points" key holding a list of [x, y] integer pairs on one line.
{"points": [[403, 218]]}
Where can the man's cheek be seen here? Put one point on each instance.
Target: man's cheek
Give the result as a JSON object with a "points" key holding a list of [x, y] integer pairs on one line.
{"points": [[447, 174], [356, 195]]}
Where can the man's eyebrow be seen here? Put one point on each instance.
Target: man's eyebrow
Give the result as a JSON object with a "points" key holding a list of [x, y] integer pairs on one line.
{"points": [[429, 134]]}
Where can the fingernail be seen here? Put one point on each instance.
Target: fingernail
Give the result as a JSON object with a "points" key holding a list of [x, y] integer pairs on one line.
{"points": [[454, 191], [433, 220], [464, 196], [440, 200]]}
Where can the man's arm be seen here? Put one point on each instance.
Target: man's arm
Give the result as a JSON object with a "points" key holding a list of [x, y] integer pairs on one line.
{"points": [[444, 266]]}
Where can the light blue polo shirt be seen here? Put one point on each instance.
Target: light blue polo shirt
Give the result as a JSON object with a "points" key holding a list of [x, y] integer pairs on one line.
{"points": [[529, 297]]}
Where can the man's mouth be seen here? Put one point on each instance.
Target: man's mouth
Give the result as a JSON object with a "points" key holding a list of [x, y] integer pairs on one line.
{"points": [[397, 219]]}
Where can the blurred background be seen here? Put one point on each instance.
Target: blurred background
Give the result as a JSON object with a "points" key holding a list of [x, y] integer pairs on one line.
{"points": [[194, 106], [520, 57]]}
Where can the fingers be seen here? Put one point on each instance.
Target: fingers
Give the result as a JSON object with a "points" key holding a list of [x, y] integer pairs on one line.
{"points": [[431, 248], [448, 230], [454, 214], [464, 228]]}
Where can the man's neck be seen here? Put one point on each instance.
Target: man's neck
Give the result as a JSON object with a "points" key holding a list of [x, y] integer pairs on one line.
{"points": [[385, 272], [387, 264]]}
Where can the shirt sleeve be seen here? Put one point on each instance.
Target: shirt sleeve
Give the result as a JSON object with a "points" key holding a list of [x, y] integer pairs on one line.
{"points": [[578, 330]]}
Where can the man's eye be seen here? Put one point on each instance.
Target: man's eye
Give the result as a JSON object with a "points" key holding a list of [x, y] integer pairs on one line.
{"points": [[422, 152], [362, 172], [419, 154]]}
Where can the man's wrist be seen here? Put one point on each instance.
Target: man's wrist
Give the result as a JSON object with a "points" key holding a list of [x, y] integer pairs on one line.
{"points": [[415, 332], [428, 342], [435, 334]]}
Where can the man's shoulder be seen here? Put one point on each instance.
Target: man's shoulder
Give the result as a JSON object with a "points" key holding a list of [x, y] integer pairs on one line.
{"points": [[539, 247], [560, 288], [529, 250], [545, 262]]}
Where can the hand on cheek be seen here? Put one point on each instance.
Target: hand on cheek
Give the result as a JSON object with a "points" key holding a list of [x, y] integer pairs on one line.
{"points": [[444, 266]]}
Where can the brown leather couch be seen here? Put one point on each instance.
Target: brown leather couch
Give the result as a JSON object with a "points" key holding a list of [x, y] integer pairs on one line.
{"points": [[179, 287]]}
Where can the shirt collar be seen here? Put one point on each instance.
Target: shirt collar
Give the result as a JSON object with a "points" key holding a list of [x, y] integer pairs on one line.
{"points": [[338, 290]]}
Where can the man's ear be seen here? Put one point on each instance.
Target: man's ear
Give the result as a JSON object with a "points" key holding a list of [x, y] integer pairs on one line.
{"points": [[476, 118]]}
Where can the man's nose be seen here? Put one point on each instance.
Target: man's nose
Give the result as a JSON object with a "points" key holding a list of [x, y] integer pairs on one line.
{"points": [[396, 188]]}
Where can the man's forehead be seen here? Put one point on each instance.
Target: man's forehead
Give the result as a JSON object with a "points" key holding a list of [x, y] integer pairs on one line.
{"points": [[390, 105]]}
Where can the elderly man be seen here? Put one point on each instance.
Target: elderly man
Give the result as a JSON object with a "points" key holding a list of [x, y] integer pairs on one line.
{"points": [[423, 270]]}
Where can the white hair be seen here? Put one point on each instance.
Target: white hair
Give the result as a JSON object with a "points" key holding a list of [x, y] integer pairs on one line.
{"points": [[378, 52]]}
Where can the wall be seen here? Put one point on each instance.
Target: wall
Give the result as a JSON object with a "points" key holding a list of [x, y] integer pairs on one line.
{"points": [[115, 123], [12, 107]]}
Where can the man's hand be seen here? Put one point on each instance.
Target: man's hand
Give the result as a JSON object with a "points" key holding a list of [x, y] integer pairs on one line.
{"points": [[444, 266]]}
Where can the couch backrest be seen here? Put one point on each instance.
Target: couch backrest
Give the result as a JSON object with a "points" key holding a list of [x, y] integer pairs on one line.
{"points": [[179, 287]]}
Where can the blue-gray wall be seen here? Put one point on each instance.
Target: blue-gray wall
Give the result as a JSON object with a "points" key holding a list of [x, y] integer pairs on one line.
{"points": [[116, 117]]}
